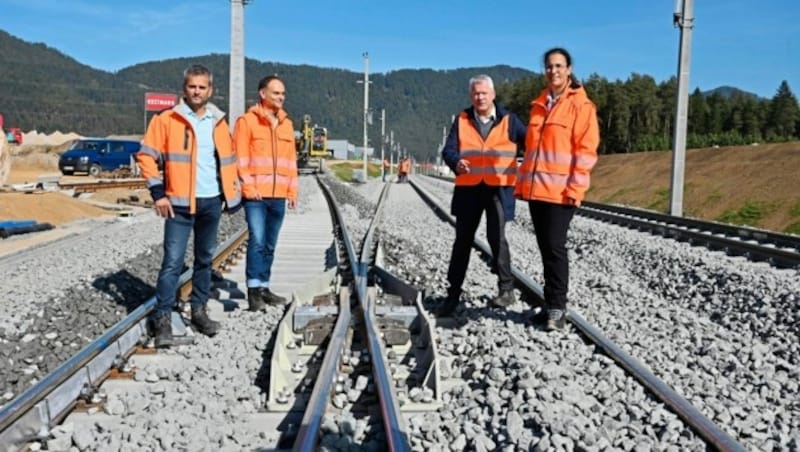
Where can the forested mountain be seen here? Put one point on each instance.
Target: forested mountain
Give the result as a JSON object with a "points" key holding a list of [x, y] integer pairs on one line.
{"points": [[638, 114], [43, 89]]}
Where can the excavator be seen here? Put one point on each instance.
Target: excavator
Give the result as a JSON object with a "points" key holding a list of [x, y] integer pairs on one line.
{"points": [[312, 146]]}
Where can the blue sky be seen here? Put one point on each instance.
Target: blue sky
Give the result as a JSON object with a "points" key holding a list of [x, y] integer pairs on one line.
{"points": [[747, 44]]}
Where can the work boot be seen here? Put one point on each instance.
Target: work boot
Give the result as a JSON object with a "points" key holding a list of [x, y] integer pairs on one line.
{"points": [[271, 298], [202, 323], [255, 300], [540, 318], [162, 330], [447, 307], [556, 320], [505, 299]]}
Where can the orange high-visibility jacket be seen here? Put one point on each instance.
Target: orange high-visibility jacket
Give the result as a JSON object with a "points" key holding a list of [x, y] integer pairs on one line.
{"points": [[405, 166], [491, 161], [267, 156], [560, 149], [170, 138]]}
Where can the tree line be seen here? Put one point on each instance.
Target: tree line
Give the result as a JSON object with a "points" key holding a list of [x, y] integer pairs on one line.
{"points": [[638, 114], [43, 89]]}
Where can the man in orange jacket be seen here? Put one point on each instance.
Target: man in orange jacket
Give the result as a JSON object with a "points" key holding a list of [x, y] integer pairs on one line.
{"points": [[264, 143], [481, 150], [194, 142]]}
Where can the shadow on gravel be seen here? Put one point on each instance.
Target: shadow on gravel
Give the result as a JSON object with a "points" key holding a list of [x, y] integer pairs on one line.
{"points": [[124, 288], [464, 312]]}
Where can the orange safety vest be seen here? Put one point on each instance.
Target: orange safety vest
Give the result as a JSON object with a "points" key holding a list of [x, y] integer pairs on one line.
{"points": [[491, 161], [170, 138], [560, 149], [267, 156]]}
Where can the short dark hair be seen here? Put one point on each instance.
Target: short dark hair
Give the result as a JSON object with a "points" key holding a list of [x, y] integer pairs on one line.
{"points": [[195, 70], [265, 81]]}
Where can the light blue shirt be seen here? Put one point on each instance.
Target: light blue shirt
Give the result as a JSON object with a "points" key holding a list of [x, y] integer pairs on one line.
{"points": [[206, 185]]}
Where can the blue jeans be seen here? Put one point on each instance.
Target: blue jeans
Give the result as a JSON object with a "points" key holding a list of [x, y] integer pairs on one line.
{"points": [[204, 223], [264, 220]]}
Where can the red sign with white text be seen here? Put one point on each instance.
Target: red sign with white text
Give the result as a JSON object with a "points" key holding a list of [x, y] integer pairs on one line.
{"points": [[159, 101]]}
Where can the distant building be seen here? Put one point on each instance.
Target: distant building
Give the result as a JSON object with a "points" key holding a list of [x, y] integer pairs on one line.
{"points": [[341, 149], [359, 151]]}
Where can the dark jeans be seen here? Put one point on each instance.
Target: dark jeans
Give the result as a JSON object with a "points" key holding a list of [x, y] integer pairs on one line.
{"points": [[204, 223], [264, 220], [474, 201], [550, 223]]}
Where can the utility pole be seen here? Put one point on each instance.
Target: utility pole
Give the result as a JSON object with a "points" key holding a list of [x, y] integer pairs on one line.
{"points": [[683, 17], [236, 86], [366, 108], [383, 135]]}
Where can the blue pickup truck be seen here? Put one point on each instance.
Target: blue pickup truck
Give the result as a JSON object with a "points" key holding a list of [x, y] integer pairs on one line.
{"points": [[93, 155]]}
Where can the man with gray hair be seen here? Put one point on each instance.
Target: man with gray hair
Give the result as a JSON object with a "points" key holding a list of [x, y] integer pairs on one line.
{"points": [[481, 149]]}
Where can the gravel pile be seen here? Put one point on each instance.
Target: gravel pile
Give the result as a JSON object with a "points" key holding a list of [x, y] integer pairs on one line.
{"points": [[722, 331], [62, 295]]}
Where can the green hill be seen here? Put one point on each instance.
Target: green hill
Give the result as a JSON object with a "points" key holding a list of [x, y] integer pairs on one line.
{"points": [[46, 90]]}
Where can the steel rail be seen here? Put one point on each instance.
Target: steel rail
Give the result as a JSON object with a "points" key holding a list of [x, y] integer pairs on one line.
{"points": [[782, 250], [781, 257], [741, 232], [308, 433], [393, 423], [709, 431], [63, 374], [85, 187]]}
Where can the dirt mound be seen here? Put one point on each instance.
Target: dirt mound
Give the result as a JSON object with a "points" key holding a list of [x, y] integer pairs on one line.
{"points": [[54, 139], [50, 207]]}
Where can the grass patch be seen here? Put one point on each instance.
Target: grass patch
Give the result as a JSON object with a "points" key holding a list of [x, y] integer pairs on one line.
{"points": [[749, 214], [661, 202], [713, 199], [616, 195], [794, 211], [344, 171], [793, 228]]}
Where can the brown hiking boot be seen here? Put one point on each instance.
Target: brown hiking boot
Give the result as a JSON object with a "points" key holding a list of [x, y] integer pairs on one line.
{"points": [[255, 299], [162, 330], [271, 298], [505, 299], [202, 323]]}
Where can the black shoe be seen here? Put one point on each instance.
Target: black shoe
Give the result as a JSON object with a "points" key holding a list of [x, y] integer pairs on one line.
{"points": [[255, 299], [202, 323], [447, 307], [162, 330], [505, 299], [270, 297], [556, 320], [540, 318]]}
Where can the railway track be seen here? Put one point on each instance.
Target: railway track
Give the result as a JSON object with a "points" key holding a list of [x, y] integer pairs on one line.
{"points": [[781, 250], [91, 187], [314, 365], [353, 360], [711, 433]]}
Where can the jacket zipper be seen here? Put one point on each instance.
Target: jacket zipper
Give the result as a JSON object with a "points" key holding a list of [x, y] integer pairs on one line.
{"points": [[539, 144]]}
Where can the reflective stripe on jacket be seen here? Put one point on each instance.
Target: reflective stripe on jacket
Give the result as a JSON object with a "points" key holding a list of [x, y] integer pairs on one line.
{"points": [[491, 161], [170, 138], [267, 156], [560, 149]]}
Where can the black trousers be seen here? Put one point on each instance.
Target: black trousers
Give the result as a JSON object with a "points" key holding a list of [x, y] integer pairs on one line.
{"points": [[468, 207], [550, 223]]}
